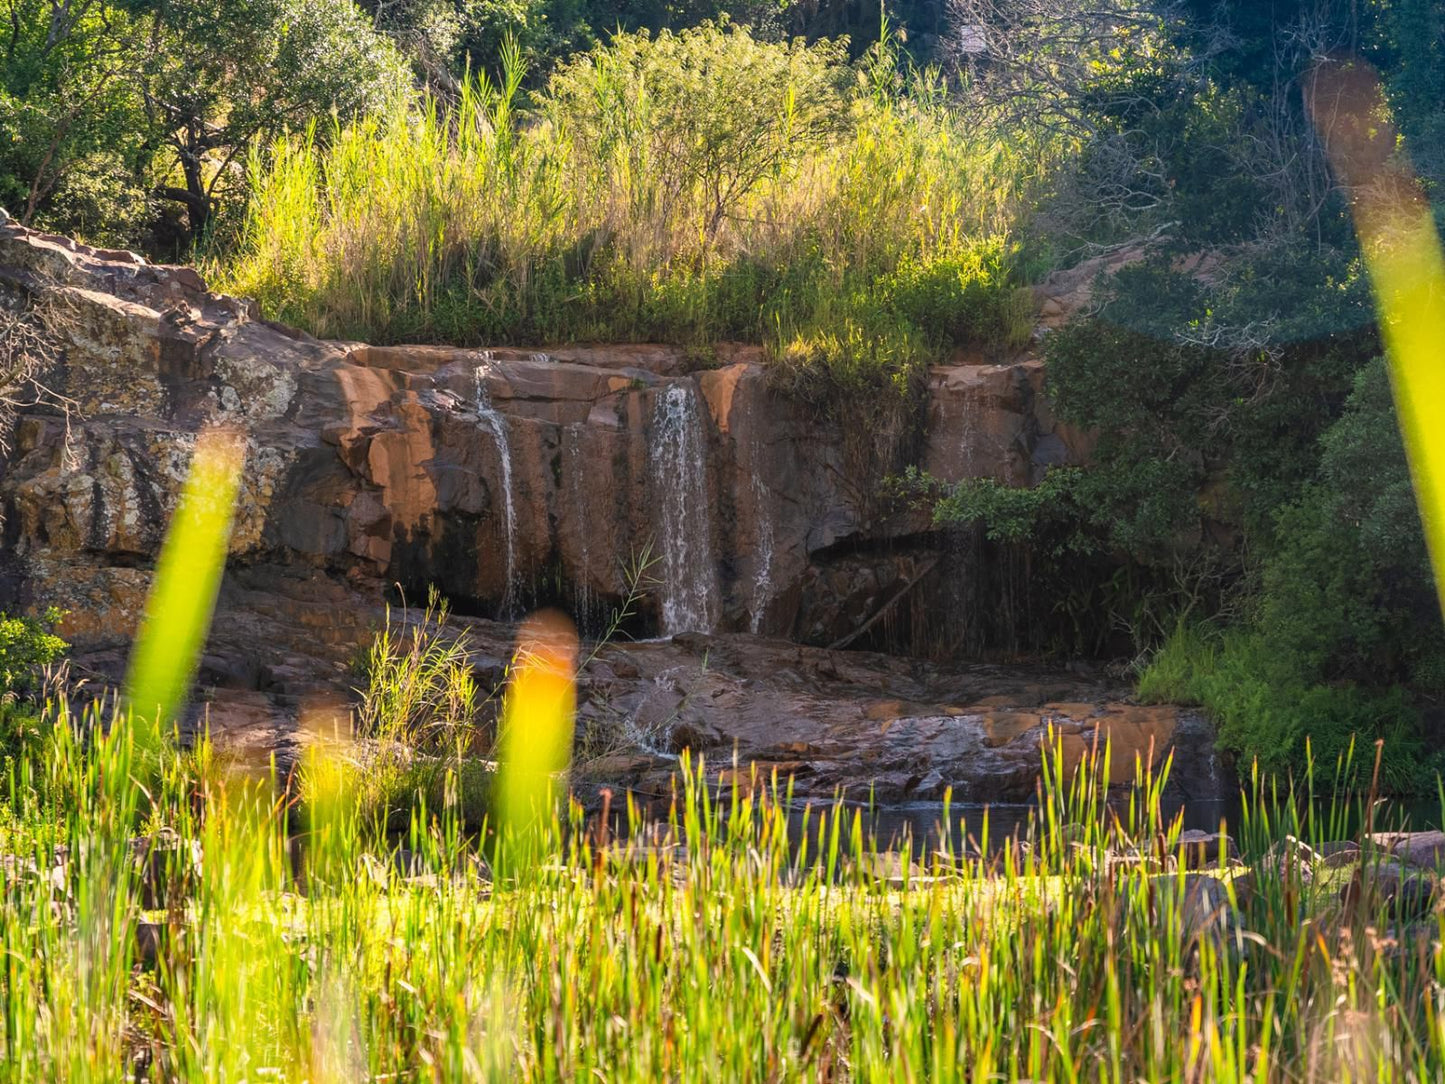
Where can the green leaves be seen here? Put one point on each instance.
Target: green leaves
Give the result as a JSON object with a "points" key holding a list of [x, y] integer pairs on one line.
{"points": [[26, 644]]}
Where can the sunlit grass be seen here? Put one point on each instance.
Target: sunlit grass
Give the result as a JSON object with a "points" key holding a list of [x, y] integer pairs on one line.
{"points": [[739, 940], [873, 250]]}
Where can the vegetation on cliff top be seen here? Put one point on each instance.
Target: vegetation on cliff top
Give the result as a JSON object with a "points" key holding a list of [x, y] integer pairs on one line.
{"points": [[689, 187]]}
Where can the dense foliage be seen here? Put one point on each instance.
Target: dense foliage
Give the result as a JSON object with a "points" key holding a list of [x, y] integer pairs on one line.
{"points": [[1248, 459], [689, 187]]}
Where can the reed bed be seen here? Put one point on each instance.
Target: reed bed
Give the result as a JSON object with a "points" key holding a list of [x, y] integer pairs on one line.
{"points": [[736, 939], [689, 188]]}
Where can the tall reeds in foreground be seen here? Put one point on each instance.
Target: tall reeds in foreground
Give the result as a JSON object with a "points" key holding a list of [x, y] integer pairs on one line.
{"points": [[741, 938]]}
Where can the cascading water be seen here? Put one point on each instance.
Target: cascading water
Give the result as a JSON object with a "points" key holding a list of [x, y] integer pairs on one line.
{"points": [[763, 586], [967, 439], [495, 425], [577, 498], [679, 473]]}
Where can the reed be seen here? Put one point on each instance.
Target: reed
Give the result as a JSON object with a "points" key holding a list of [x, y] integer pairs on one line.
{"points": [[738, 938], [591, 214]]}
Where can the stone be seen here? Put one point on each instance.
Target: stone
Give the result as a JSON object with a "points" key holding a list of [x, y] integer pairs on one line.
{"points": [[1200, 901], [1199, 850], [1425, 849], [1338, 855], [1288, 860], [1392, 885], [167, 868]]}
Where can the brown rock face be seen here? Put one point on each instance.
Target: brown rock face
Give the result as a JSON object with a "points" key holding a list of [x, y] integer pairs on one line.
{"points": [[507, 478], [512, 479]]}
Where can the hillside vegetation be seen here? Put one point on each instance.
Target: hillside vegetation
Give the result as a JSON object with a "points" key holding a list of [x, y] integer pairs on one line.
{"points": [[691, 188]]}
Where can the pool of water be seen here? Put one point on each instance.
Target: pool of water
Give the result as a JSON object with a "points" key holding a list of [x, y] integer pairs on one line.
{"points": [[973, 828]]}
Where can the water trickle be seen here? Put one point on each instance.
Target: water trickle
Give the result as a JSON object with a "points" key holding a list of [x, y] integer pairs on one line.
{"points": [[679, 472], [763, 585], [577, 497], [967, 438], [655, 738], [492, 422]]}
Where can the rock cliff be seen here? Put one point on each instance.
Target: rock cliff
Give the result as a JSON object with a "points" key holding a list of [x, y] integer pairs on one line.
{"points": [[508, 478], [512, 479]]}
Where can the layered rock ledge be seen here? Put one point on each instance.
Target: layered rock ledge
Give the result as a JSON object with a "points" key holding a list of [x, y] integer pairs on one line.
{"points": [[511, 479]]}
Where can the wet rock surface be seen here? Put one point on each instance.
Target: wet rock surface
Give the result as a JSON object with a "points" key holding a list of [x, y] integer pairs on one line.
{"points": [[510, 479]]}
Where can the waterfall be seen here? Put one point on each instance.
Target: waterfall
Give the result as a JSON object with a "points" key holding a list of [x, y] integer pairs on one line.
{"points": [[763, 585], [496, 426], [577, 497], [966, 439], [689, 579]]}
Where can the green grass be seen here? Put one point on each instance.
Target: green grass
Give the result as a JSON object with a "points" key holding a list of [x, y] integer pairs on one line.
{"points": [[630, 202], [739, 957]]}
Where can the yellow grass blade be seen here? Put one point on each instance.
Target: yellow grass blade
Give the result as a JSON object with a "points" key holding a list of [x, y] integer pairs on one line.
{"points": [[1402, 251], [536, 735], [188, 575]]}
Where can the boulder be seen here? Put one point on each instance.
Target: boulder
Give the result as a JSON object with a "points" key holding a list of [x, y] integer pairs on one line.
{"points": [[1199, 850], [1288, 860], [1424, 849]]}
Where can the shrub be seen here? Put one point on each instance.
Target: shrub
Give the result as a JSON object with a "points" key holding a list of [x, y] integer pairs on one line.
{"points": [[26, 645], [1267, 712], [686, 187]]}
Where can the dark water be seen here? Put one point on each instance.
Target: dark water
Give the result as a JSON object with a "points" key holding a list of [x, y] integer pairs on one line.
{"points": [[975, 827], [922, 822], [987, 828]]}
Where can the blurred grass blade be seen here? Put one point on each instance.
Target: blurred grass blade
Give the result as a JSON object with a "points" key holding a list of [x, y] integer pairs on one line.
{"points": [[188, 576], [1402, 251], [536, 735]]}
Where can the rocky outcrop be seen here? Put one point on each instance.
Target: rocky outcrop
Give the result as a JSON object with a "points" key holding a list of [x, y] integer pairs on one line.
{"points": [[507, 478], [512, 479]]}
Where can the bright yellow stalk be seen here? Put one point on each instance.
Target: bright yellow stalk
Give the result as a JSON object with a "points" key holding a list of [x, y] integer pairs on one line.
{"points": [[536, 733], [188, 576], [1402, 250]]}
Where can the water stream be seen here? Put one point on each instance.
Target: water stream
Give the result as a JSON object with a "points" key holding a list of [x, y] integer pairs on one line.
{"points": [[492, 422], [577, 498], [679, 474], [763, 585]]}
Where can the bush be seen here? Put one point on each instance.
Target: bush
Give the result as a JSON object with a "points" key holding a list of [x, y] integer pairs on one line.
{"points": [[686, 187], [26, 645], [1266, 712], [1347, 589]]}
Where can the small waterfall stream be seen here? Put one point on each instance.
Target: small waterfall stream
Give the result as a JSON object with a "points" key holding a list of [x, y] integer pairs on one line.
{"points": [[679, 474], [763, 585], [577, 497], [495, 425]]}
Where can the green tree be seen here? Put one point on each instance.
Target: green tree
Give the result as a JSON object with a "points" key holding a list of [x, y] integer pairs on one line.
{"points": [[1346, 591], [216, 78], [710, 111], [72, 134]]}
